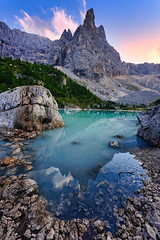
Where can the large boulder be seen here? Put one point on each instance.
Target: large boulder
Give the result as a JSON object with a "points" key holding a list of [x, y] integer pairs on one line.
{"points": [[150, 125], [30, 108]]}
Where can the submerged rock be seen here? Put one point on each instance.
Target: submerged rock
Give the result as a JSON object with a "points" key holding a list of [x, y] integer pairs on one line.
{"points": [[17, 150], [119, 136], [28, 108], [9, 161], [76, 142], [28, 167], [150, 125], [115, 144]]}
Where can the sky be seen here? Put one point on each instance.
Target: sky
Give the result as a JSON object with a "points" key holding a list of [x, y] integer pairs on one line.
{"points": [[132, 26]]}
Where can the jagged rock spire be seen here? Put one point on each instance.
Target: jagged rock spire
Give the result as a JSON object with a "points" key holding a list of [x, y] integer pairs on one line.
{"points": [[89, 19], [66, 35]]}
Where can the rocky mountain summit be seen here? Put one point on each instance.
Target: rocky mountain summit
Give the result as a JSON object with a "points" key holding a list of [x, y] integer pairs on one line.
{"points": [[86, 53], [29, 108], [150, 125]]}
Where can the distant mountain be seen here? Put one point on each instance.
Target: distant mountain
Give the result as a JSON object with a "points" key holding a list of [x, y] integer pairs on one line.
{"points": [[143, 68]]}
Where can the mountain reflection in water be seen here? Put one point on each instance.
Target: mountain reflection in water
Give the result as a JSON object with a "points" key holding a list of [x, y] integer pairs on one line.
{"points": [[79, 173]]}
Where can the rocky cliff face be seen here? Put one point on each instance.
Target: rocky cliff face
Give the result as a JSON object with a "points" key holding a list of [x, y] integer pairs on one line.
{"points": [[27, 47], [150, 125], [30, 108], [87, 53], [144, 68]]}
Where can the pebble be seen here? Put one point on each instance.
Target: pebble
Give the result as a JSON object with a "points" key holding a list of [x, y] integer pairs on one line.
{"points": [[17, 150], [115, 144], [150, 231], [28, 167], [51, 234], [27, 233]]}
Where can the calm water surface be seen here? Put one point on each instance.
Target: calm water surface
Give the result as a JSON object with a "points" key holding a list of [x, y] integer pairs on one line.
{"points": [[79, 173]]}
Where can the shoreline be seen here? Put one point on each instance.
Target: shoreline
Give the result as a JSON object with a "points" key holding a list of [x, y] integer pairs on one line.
{"points": [[95, 109], [141, 215]]}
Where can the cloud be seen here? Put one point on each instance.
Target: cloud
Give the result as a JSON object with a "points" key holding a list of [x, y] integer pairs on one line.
{"points": [[43, 10], [51, 29], [36, 25], [83, 12], [61, 21]]}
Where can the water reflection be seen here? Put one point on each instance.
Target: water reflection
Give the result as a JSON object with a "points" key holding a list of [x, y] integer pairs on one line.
{"points": [[78, 172], [100, 198], [82, 146]]}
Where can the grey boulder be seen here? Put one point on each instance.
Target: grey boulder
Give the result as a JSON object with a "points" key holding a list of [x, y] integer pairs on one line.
{"points": [[150, 125], [30, 108]]}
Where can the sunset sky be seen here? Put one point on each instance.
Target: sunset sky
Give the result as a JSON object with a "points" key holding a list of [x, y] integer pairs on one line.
{"points": [[132, 26]]}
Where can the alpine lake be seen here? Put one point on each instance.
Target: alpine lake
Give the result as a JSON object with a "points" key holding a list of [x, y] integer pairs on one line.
{"points": [[77, 170]]}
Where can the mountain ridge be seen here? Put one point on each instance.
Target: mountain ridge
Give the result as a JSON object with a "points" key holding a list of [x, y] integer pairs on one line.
{"points": [[87, 55], [87, 44]]}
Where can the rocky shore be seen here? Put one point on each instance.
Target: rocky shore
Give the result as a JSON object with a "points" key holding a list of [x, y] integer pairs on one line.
{"points": [[23, 212], [18, 155], [140, 218], [23, 215]]}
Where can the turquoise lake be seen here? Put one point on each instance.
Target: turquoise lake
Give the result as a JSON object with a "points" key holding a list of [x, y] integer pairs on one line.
{"points": [[78, 172]]}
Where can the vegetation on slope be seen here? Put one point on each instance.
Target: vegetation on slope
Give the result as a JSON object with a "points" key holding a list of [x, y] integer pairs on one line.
{"points": [[15, 73], [155, 103]]}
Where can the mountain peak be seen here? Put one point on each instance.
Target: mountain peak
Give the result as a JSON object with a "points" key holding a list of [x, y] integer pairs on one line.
{"points": [[66, 35], [89, 19]]}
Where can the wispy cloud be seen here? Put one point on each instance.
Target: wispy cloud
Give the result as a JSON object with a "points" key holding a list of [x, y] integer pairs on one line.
{"points": [[52, 28], [61, 21], [36, 25], [43, 10], [83, 11]]}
